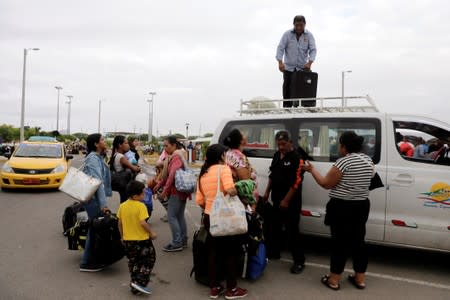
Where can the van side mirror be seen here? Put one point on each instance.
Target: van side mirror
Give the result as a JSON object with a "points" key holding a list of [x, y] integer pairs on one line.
{"points": [[69, 157], [7, 155]]}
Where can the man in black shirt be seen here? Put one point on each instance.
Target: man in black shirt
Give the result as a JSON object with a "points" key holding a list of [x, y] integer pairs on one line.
{"points": [[285, 183]]}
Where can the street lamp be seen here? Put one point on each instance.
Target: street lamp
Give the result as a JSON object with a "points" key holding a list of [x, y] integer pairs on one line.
{"points": [[99, 112], [150, 117], [22, 111], [69, 102], [57, 108], [187, 131], [344, 103]]}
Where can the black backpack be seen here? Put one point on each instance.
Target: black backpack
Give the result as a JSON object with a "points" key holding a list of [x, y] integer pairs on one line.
{"points": [[69, 217], [76, 235]]}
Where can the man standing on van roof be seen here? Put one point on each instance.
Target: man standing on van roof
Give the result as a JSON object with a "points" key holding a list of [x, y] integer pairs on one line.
{"points": [[299, 50]]}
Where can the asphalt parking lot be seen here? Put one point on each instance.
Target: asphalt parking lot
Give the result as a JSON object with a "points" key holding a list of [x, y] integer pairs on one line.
{"points": [[35, 263]]}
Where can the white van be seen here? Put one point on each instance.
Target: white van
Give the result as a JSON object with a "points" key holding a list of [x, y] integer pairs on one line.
{"points": [[411, 210]]}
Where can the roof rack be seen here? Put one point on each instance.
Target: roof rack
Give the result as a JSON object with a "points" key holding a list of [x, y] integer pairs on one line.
{"points": [[323, 104]]}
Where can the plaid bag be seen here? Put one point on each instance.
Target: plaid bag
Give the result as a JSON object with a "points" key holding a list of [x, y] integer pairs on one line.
{"points": [[185, 180]]}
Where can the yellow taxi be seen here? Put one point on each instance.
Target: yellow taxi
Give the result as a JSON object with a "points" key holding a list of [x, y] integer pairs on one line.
{"points": [[36, 163]]}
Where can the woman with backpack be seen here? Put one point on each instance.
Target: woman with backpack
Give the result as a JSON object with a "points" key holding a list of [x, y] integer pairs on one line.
{"points": [[225, 248], [122, 170], [176, 199]]}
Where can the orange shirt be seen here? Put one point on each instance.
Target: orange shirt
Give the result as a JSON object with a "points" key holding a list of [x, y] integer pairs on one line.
{"points": [[208, 182]]}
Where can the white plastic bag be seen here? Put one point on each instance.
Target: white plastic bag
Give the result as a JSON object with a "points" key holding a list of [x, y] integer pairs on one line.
{"points": [[227, 215]]}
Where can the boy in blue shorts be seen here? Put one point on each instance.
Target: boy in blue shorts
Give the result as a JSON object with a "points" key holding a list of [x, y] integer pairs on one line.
{"points": [[137, 237]]}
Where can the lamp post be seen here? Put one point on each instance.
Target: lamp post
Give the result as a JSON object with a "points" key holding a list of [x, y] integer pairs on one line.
{"points": [[344, 103], [57, 108], [22, 110], [187, 131], [99, 113], [69, 102], [150, 117]]}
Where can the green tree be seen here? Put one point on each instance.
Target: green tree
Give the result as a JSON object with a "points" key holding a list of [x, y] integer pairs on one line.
{"points": [[208, 135], [7, 133], [80, 135]]}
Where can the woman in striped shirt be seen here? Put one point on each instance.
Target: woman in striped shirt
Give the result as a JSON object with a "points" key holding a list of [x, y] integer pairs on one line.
{"points": [[348, 209]]}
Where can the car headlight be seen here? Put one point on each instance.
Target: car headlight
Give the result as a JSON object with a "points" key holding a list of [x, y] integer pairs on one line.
{"points": [[7, 169], [59, 169]]}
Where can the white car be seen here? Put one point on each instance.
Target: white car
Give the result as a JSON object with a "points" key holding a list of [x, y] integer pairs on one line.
{"points": [[413, 207]]}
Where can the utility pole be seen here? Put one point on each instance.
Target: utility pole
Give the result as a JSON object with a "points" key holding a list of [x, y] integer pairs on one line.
{"points": [[69, 102], [57, 108]]}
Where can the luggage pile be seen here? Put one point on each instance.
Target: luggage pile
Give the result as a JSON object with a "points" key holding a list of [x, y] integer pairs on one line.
{"points": [[252, 260], [105, 235]]}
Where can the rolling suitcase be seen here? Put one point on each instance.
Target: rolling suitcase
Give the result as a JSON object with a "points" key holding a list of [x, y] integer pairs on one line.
{"points": [[303, 85]]}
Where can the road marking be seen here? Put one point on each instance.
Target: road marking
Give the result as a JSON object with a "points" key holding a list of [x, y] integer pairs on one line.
{"points": [[382, 276], [327, 267]]}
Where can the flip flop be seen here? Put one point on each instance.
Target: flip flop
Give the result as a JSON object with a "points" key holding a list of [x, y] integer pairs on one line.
{"points": [[359, 286], [324, 280]]}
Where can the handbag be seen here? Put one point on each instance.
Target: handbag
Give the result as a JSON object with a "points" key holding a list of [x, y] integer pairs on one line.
{"points": [[79, 185], [119, 180], [227, 215], [375, 182], [185, 180]]}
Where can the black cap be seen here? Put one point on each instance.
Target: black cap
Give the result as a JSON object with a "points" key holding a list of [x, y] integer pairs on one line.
{"points": [[283, 135]]}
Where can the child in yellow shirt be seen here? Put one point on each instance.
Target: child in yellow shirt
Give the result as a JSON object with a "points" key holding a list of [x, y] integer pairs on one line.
{"points": [[137, 237]]}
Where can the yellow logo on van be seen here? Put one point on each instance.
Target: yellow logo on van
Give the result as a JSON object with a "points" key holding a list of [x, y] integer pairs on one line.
{"points": [[439, 192]]}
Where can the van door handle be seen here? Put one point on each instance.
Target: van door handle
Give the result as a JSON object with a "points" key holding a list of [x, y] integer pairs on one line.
{"points": [[403, 179]]}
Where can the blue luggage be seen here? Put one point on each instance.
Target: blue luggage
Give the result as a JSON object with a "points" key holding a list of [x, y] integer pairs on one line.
{"points": [[257, 263]]}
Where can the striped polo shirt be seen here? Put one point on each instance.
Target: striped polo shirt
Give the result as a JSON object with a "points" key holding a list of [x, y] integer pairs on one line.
{"points": [[357, 171]]}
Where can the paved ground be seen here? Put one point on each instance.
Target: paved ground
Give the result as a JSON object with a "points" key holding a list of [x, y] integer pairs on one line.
{"points": [[35, 263]]}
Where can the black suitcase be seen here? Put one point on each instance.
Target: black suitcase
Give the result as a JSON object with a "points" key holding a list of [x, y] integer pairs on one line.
{"points": [[303, 85], [107, 246]]}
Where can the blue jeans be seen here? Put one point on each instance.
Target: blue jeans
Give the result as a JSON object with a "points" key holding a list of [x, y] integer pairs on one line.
{"points": [[175, 216], [93, 210]]}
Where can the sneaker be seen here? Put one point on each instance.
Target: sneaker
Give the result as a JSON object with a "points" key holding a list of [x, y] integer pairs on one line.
{"points": [[172, 248], [91, 268], [216, 292], [140, 288], [135, 291], [297, 268], [236, 293], [185, 244]]}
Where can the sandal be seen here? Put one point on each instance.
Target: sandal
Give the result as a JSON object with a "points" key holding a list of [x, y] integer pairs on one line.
{"points": [[325, 281], [359, 286]]}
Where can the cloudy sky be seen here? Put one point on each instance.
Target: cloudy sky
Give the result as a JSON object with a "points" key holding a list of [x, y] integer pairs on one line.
{"points": [[201, 57]]}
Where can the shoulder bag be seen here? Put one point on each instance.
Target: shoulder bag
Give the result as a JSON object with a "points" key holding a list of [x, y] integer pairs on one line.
{"points": [[119, 180], [227, 215], [79, 185], [185, 180]]}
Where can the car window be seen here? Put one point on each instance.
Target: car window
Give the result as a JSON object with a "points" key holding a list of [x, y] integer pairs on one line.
{"points": [[422, 142], [320, 137], [39, 150], [260, 136]]}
